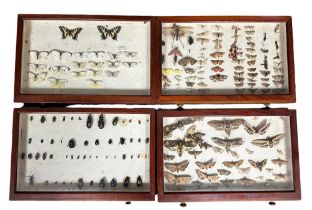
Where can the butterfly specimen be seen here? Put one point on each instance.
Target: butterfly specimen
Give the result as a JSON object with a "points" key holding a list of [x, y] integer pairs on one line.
{"points": [[258, 164], [279, 162], [261, 128], [176, 53], [268, 141], [280, 176], [95, 83], [57, 82], [95, 64], [98, 53], [249, 151], [227, 143], [231, 164], [179, 145], [177, 32], [194, 153], [177, 179], [245, 181], [168, 157], [113, 64], [205, 165], [101, 121], [210, 177], [217, 69], [224, 172], [114, 56], [130, 54], [106, 32], [243, 170], [59, 69], [218, 77], [187, 60], [177, 167], [73, 33], [129, 64], [226, 124], [38, 54], [94, 73], [112, 74], [37, 77], [227, 182], [79, 74], [79, 65]]}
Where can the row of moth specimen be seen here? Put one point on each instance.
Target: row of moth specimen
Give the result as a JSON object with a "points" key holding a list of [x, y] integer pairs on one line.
{"points": [[193, 57], [227, 153], [83, 151]]}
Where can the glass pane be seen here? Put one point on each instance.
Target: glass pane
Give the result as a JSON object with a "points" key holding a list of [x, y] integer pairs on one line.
{"points": [[86, 57], [227, 153], [224, 58], [74, 152]]}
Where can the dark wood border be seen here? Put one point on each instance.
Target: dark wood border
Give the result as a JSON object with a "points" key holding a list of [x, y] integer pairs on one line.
{"points": [[228, 196], [76, 98], [229, 99], [109, 196]]}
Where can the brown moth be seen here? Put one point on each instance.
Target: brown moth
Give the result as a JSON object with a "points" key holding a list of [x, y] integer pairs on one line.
{"points": [[168, 129], [224, 172], [231, 164], [195, 153], [279, 162], [226, 124], [261, 128], [177, 179], [210, 177], [268, 141], [227, 182], [245, 181], [177, 167], [258, 164], [179, 145], [227, 143], [243, 170], [168, 157], [280, 176], [206, 165]]}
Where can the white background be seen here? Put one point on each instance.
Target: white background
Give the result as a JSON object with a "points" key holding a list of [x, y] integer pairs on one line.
{"points": [[299, 10]]}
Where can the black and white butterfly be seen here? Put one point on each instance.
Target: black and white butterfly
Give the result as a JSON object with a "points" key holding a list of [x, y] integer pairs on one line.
{"points": [[57, 82], [111, 73], [73, 33], [40, 77], [106, 32], [113, 64], [59, 69], [129, 64]]}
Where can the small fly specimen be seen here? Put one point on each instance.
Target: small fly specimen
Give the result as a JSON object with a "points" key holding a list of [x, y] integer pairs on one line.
{"points": [[177, 167], [226, 124], [177, 32], [210, 177], [227, 143], [258, 164], [179, 145], [268, 141], [206, 165], [177, 179], [261, 128]]}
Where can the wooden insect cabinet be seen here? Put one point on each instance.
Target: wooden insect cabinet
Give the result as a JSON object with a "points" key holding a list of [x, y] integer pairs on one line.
{"points": [[62, 153]]}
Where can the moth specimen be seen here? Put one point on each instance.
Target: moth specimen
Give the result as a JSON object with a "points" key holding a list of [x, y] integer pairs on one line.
{"points": [[176, 53], [279, 162], [106, 32], [218, 77], [187, 60], [179, 145], [228, 143], [261, 128], [243, 170], [192, 135], [226, 124], [177, 167], [73, 33], [245, 181], [268, 141], [177, 32], [168, 157], [227, 182], [224, 172], [206, 165], [177, 179], [168, 129], [210, 177], [194, 153], [231, 164], [258, 164]]}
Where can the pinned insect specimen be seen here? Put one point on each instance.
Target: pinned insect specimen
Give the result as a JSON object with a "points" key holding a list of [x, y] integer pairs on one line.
{"points": [[277, 28], [94, 73], [102, 183], [114, 56], [204, 145], [170, 71], [218, 77], [217, 69], [129, 64], [217, 62], [202, 84], [279, 162], [89, 122], [192, 135], [231, 164], [187, 60], [36, 66], [261, 128], [245, 181], [113, 64], [268, 141], [95, 83], [179, 145], [80, 183], [189, 84], [177, 179], [72, 143], [177, 32], [217, 54], [31, 180], [206, 165], [168, 129], [190, 40], [224, 172], [228, 143], [226, 124], [122, 141], [210, 177], [106, 32], [278, 83], [176, 53], [249, 151], [265, 73], [280, 176], [258, 164], [60, 53], [126, 182], [113, 182], [130, 54], [139, 182], [37, 77], [194, 153], [278, 77], [217, 149], [168, 157], [73, 33], [57, 82], [279, 151], [177, 167], [243, 170], [95, 64], [30, 156], [38, 54], [112, 74], [227, 182], [101, 121], [42, 119]]}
